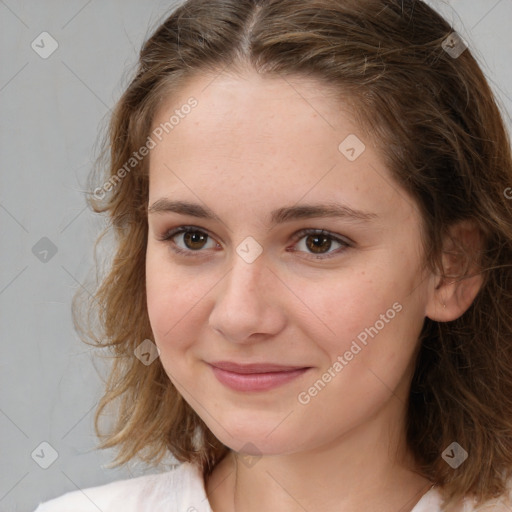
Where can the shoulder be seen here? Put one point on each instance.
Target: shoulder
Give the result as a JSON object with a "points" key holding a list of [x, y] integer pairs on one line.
{"points": [[500, 504], [181, 489], [432, 501]]}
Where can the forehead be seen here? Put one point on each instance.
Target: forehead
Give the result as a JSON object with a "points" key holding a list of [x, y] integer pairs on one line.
{"points": [[241, 116], [280, 137], [250, 100]]}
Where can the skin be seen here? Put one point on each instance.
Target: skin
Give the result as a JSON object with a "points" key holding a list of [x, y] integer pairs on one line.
{"points": [[250, 146]]}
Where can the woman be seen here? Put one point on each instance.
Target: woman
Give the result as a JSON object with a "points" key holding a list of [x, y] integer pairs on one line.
{"points": [[309, 304]]}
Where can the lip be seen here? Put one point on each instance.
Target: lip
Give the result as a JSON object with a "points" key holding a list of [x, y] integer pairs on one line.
{"points": [[255, 377], [231, 366]]}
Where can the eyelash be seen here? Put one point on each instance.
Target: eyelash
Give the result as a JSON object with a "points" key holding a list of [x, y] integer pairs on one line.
{"points": [[169, 235]]}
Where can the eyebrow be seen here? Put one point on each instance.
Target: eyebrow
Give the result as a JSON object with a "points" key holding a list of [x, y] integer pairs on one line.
{"points": [[281, 215]]}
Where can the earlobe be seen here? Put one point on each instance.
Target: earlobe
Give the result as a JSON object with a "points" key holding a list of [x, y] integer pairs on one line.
{"points": [[454, 291]]}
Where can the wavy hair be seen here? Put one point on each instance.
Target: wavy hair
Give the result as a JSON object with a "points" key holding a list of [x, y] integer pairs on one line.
{"points": [[437, 125]]}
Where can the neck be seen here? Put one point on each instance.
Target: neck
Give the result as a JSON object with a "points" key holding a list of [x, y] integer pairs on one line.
{"points": [[367, 468]]}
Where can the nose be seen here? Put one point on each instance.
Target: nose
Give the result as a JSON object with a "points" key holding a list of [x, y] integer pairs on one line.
{"points": [[246, 305]]}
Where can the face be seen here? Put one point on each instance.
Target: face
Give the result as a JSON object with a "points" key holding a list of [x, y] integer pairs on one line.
{"points": [[258, 282]]}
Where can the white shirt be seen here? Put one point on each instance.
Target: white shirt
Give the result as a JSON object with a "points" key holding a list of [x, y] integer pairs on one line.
{"points": [[179, 490]]}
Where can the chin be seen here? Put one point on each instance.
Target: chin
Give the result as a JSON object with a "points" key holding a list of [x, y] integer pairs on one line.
{"points": [[264, 440]]}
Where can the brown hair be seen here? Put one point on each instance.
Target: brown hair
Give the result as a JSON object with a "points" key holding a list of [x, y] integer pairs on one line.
{"points": [[436, 123]]}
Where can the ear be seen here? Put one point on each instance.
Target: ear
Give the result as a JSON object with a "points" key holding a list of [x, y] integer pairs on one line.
{"points": [[451, 295]]}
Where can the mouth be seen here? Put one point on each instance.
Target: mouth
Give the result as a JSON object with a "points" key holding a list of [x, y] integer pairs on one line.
{"points": [[255, 377]]}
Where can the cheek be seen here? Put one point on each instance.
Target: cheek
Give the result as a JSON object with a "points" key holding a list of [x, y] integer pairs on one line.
{"points": [[375, 310], [174, 294], [345, 306], [165, 295]]}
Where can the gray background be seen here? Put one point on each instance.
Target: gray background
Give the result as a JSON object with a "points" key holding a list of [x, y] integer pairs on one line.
{"points": [[51, 113]]}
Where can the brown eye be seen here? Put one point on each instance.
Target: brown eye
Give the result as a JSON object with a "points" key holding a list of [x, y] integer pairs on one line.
{"points": [[194, 240], [188, 240], [315, 242], [318, 243]]}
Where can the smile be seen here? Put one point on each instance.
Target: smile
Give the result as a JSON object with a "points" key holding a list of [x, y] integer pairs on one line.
{"points": [[252, 378]]}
